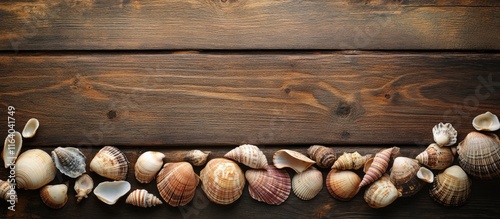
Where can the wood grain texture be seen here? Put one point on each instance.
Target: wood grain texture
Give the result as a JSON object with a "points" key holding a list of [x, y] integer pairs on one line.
{"points": [[230, 99], [482, 203], [245, 24]]}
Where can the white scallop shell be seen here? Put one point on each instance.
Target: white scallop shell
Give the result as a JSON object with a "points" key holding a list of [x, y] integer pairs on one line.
{"points": [[109, 192], [111, 163], [30, 128], [486, 122], [148, 165], [307, 184], [11, 148], [444, 134]]}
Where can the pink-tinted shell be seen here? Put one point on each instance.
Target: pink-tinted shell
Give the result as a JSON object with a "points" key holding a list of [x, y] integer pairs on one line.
{"points": [[269, 185], [378, 167]]}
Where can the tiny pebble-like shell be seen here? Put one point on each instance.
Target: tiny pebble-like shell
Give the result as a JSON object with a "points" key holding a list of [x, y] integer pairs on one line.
{"points": [[69, 160], [110, 191], [196, 157], [7, 191], [342, 184], [307, 184], [435, 157], [34, 169], [351, 161], [11, 148], [452, 187], [479, 155], [30, 128], [54, 196], [444, 134], [486, 122], [381, 193], [111, 163], [378, 167], [142, 198], [249, 155], [324, 156], [270, 185], [83, 186], [292, 159], [404, 176], [147, 166], [177, 183], [222, 181]]}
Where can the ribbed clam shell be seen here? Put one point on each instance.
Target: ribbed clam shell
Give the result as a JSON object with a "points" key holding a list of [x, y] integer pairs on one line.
{"points": [[196, 157], [141, 198], [69, 160], [324, 156], [435, 157], [54, 196], [7, 191], [222, 181], [307, 184], [404, 176], [452, 187], [444, 134], [293, 159], [350, 161], [269, 185], [147, 165], [177, 183], [34, 169], [486, 122], [377, 167], [11, 148], [381, 193], [249, 155], [111, 163], [342, 184], [479, 155], [83, 186], [30, 128], [109, 192]]}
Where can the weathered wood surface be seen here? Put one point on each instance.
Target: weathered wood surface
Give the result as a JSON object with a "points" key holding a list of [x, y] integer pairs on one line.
{"points": [[249, 24], [230, 99], [482, 203]]}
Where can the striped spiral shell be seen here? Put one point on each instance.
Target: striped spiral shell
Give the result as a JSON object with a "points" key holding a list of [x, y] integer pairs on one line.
{"points": [[377, 167], [141, 198], [324, 156]]}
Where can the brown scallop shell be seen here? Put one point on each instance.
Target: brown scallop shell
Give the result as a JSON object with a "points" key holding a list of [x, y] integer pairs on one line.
{"points": [[378, 166], [452, 187], [222, 181], [324, 156], [435, 157], [177, 183], [111, 163], [270, 185], [404, 176], [479, 155], [351, 161], [141, 198], [249, 155], [342, 184]]}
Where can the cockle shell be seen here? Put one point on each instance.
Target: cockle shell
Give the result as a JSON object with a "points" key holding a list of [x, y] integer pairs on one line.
{"points": [[249, 155], [69, 160], [141, 198], [378, 166], [222, 181], [425, 175], [270, 185], [30, 128], [54, 196], [111, 163], [11, 148], [486, 122], [147, 165], [381, 193], [351, 161], [324, 156], [342, 184], [196, 157], [177, 183], [7, 191], [404, 176], [479, 155], [83, 186], [451, 187], [444, 134], [109, 192], [435, 157], [307, 184], [34, 169], [293, 159]]}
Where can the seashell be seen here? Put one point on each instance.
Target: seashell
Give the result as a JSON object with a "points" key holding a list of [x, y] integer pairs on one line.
{"points": [[404, 176], [111, 163], [435, 157], [324, 156], [69, 160], [451, 187], [444, 134], [342, 184], [7, 191], [196, 157], [11, 148], [34, 169], [381, 193], [54, 196], [30, 128], [307, 184], [222, 181], [486, 122], [377, 167], [83, 186], [270, 185], [141, 198], [249, 155], [425, 175], [147, 165], [293, 159], [109, 192], [479, 155], [350, 161], [177, 183]]}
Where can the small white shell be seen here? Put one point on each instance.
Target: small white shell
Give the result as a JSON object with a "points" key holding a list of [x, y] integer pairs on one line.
{"points": [[69, 160], [83, 186], [486, 122], [425, 175], [109, 192], [148, 165], [307, 184], [30, 128], [444, 134], [11, 148], [54, 196]]}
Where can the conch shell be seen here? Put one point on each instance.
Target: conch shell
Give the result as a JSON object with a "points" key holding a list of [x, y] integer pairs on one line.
{"points": [[141, 198], [351, 161], [342, 184], [270, 185], [486, 122], [83, 186], [404, 176], [109, 192], [324, 156], [435, 157], [11, 148], [34, 169], [381, 193], [177, 183], [111, 163], [293, 159], [54, 196], [249, 155], [444, 134], [222, 181], [479, 155], [452, 187], [196, 157], [7, 191], [307, 184], [30, 128], [378, 166], [69, 160], [147, 165]]}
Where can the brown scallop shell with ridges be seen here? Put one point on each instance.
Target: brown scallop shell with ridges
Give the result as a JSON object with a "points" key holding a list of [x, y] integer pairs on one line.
{"points": [[269, 185], [222, 181], [452, 187], [479, 155], [177, 183], [342, 184]]}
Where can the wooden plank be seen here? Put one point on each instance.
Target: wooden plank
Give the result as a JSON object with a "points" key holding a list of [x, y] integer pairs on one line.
{"points": [[230, 99], [242, 24], [482, 203]]}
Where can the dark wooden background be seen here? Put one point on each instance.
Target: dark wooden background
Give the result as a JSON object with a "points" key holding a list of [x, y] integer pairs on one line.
{"points": [[171, 76]]}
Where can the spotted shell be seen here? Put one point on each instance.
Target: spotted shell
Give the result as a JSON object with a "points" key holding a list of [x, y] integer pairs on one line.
{"points": [[147, 165], [435, 157], [293, 159], [342, 184], [479, 155], [270, 185], [452, 187], [177, 183], [404, 176], [69, 160], [222, 181], [324, 156], [378, 167], [351, 161], [381, 193], [111, 163], [249, 155], [307, 184], [141, 198]]}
